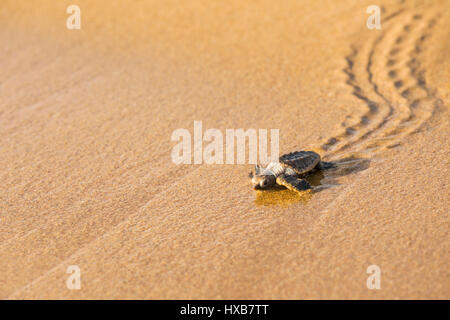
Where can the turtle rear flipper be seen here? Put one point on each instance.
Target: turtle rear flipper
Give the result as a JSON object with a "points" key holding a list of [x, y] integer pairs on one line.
{"points": [[323, 165], [293, 183]]}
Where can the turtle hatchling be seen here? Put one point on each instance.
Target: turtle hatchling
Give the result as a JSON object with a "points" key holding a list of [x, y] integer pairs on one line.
{"points": [[289, 171]]}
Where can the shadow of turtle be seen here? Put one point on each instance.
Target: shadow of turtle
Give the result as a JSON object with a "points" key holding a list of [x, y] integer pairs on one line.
{"points": [[328, 178]]}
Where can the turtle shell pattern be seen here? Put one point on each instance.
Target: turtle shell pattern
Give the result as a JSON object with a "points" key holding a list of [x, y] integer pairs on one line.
{"points": [[300, 161]]}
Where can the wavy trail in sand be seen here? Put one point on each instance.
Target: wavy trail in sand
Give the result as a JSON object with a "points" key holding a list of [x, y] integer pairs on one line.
{"points": [[387, 76]]}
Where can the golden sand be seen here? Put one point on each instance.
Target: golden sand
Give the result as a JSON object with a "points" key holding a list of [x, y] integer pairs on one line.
{"points": [[86, 118]]}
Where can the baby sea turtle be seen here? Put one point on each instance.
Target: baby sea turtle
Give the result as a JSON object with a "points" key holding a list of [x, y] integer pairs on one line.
{"points": [[289, 171]]}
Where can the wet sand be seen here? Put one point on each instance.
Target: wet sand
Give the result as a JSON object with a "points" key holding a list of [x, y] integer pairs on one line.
{"points": [[86, 118]]}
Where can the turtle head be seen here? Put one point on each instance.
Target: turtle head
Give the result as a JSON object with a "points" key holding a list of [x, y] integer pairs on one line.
{"points": [[262, 178]]}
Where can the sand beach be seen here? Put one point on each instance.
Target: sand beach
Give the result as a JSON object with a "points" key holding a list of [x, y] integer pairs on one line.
{"points": [[87, 178]]}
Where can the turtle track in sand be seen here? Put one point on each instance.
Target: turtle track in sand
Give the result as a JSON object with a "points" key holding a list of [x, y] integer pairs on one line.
{"points": [[386, 74]]}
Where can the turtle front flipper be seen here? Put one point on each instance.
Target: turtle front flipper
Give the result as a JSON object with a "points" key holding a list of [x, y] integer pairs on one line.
{"points": [[293, 183]]}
